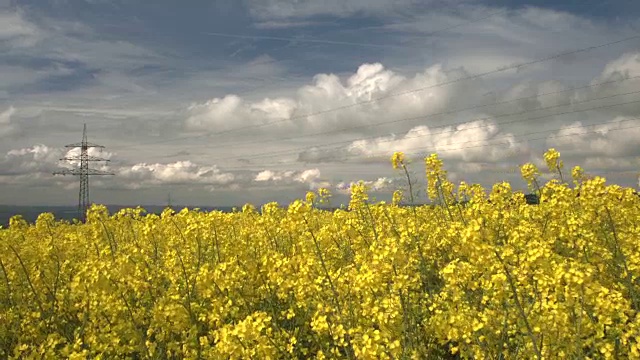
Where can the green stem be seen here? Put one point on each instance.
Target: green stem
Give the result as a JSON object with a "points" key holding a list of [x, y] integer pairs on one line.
{"points": [[519, 306]]}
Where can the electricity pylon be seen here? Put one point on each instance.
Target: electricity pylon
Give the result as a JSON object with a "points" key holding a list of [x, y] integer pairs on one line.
{"points": [[83, 171]]}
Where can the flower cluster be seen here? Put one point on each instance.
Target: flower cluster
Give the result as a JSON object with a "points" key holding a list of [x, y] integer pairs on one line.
{"points": [[552, 158], [397, 160]]}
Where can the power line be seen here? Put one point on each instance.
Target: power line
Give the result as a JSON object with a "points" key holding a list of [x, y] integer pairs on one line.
{"points": [[471, 77], [432, 149], [535, 139], [439, 151], [449, 82], [286, 152], [508, 136], [299, 150], [444, 127], [345, 142], [273, 61], [449, 112]]}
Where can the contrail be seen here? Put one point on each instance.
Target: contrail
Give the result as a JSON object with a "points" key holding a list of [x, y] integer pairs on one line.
{"points": [[259, 37], [320, 41]]}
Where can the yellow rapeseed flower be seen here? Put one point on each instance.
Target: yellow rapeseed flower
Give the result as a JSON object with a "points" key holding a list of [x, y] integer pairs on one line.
{"points": [[552, 158], [397, 160]]}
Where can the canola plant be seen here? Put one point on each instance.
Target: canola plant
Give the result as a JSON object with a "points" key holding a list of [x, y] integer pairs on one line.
{"points": [[494, 278]]}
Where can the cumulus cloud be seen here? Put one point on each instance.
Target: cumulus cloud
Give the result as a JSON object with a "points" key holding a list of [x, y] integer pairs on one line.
{"points": [[94, 152], [268, 175], [35, 165], [352, 97], [627, 65], [310, 177], [333, 104], [40, 161], [421, 95], [31, 166], [472, 146], [179, 172], [472, 141], [38, 158], [620, 137], [382, 184], [621, 75], [231, 112]]}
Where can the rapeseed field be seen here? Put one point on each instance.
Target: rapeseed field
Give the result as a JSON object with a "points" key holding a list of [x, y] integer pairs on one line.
{"points": [[494, 278]]}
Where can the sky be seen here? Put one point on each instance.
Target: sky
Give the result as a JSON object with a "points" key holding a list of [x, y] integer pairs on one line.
{"points": [[220, 103]]}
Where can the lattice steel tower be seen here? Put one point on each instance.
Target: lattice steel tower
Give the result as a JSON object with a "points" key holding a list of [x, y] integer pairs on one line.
{"points": [[83, 171]]}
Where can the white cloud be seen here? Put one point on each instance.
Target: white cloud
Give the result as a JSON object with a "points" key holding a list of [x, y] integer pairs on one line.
{"points": [[17, 30], [370, 81], [617, 138], [472, 141], [7, 127], [180, 172], [621, 75], [283, 24], [32, 161], [232, 112], [328, 91], [382, 184], [285, 9], [627, 65], [37, 152], [310, 177], [268, 175], [74, 153], [35, 166]]}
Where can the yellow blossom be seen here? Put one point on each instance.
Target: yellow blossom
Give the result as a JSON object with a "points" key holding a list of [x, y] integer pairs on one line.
{"points": [[397, 159]]}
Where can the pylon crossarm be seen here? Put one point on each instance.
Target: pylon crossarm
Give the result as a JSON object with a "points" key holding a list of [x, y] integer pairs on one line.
{"points": [[81, 172], [88, 145], [88, 158]]}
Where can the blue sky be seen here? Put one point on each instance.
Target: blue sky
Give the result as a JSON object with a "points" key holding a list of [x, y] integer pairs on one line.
{"points": [[180, 92]]}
